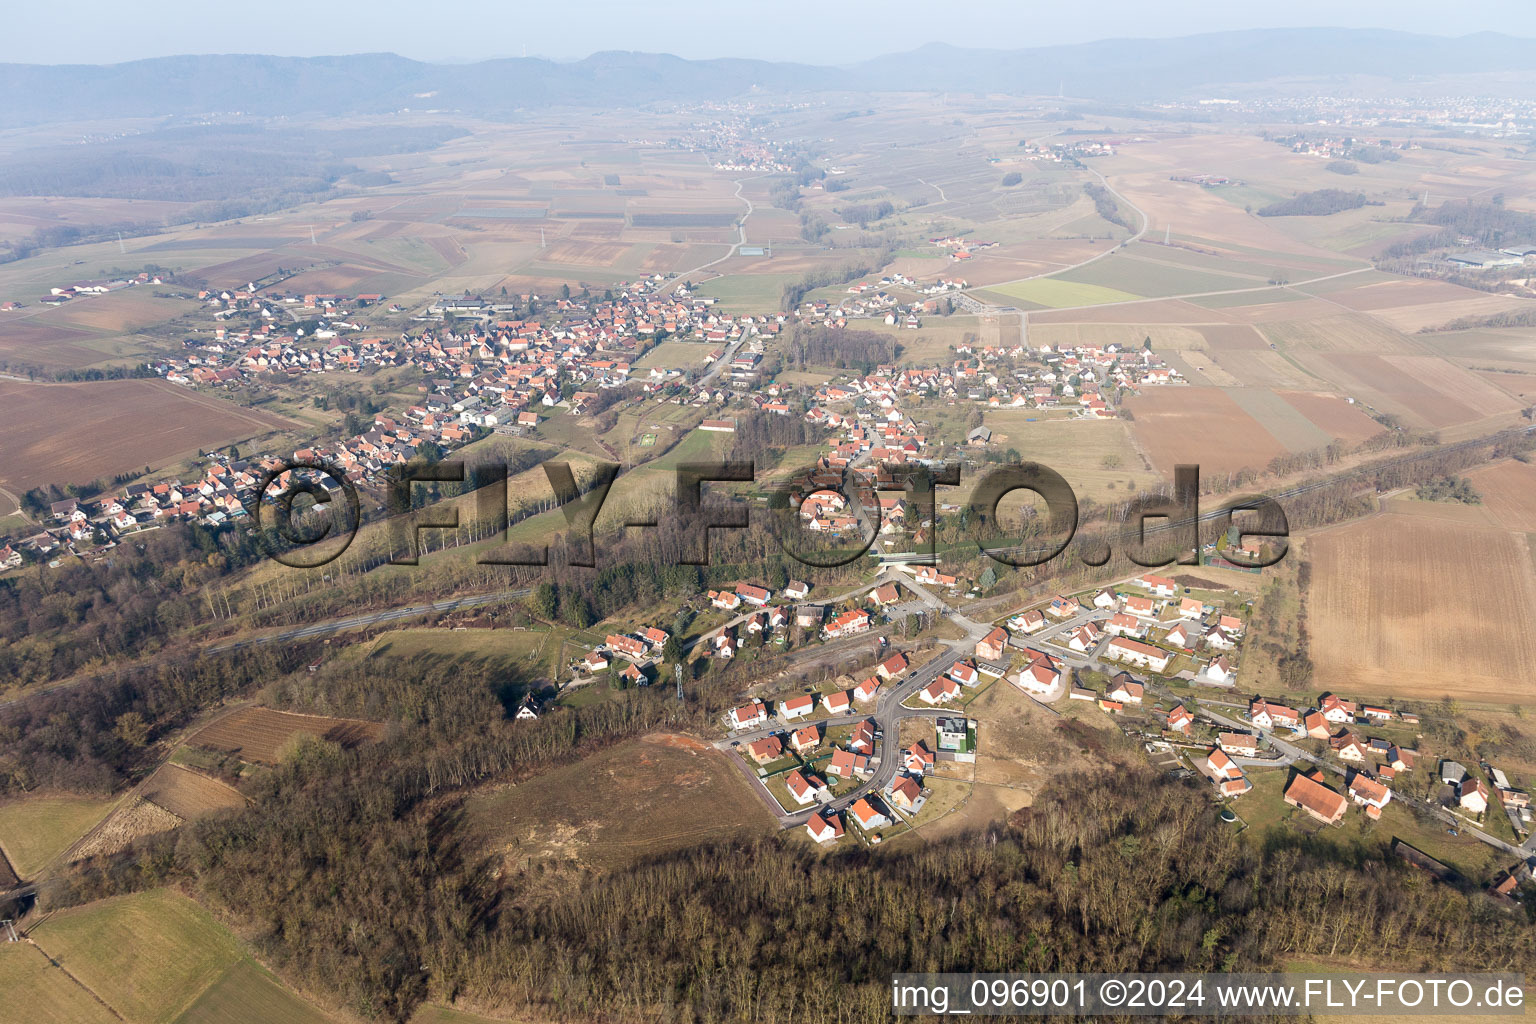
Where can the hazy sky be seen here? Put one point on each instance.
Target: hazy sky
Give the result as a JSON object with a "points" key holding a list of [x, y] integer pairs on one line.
{"points": [[823, 31]]}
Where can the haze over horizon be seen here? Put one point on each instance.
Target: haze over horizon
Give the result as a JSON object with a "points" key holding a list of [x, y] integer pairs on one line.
{"points": [[797, 30]]}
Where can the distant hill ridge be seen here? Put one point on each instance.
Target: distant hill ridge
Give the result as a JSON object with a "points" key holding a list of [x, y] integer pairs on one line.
{"points": [[1121, 70]]}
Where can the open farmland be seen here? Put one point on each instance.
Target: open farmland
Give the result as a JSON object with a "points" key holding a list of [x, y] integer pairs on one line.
{"points": [[259, 734], [1415, 606], [34, 830], [1508, 490], [187, 793], [634, 799], [248, 994], [149, 955], [1096, 456], [133, 820], [76, 433], [38, 992], [1200, 426]]}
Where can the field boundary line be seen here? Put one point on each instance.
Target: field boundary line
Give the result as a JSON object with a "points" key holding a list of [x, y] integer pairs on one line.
{"points": [[53, 962]]}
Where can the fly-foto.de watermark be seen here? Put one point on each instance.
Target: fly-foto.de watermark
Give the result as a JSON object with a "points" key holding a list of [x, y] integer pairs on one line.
{"points": [[308, 512]]}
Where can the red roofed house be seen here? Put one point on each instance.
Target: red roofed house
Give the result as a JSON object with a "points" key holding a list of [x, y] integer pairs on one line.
{"points": [[940, 690], [805, 739], [797, 707], [918, 758], [1369, 793], [825, 826], [886, 595], [1308, 793], [755, 596], [837, 702], [769, 748], [992, 646], [892, 667], [749, 715], [866, 690], [1180, 720], [906, 792], [868, 818]]}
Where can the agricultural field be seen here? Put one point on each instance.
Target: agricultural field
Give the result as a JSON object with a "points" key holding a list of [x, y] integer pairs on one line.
{"points": [[1200, 426], [76, 433], [1391, 372], [260, 734], [1508, 490], [1055, 293], [188, 794], [1096, 456], [132, 821], [1420, 607], [34, 830], [39, 993], [536, 654], [248, 994], [638, 798], [148, 956]]}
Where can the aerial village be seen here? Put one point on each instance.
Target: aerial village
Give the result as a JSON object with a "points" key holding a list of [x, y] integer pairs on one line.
{"points": [[489, 367]]}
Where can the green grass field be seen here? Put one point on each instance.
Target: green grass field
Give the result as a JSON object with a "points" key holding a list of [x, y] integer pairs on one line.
{"points": [[33, 990], [149, 956], [34, 831], [532, 651], [748, 293], [248, 994], [1058, 294]]}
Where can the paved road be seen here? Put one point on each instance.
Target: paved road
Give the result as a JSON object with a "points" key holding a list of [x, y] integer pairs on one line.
{"points": [[1296, 754], [887, 715]]}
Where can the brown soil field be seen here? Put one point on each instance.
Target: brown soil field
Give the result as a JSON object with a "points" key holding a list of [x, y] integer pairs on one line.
{"points": [[188, 794], [135, 820], [1152, 311], [1509, 493], [1347, 422], [1427, 389], [340, 280], [258, 734], [1414, 606], [1232, 337], [76, 433], [1264, 368], [119, 311], [583, 254], [631, 800], [1274, 312], [1437, 314], [239, 272], [1520, 385], [1400, 292], [29, 340], [1200, 426]]}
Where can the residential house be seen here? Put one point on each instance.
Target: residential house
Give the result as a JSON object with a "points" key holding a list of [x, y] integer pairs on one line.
{"points": [[805, 739], [917, 758], [797, 707], [757, 597], [765, 750], [867, 816], [866, 691], [992, 646], [906, 793], [1307, 792], [825, 826], [1369, 793], [1180, 720], [892, 667], [940, 691], [749, 716], [1126, 690], [1238, 744], [837, 703], [1135, 652]]}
